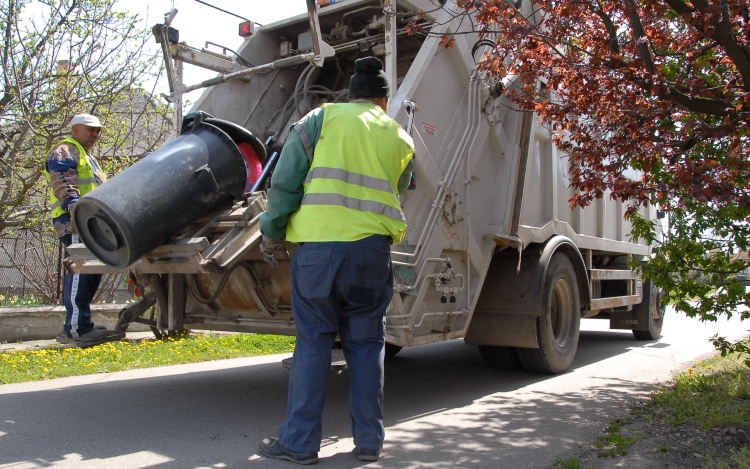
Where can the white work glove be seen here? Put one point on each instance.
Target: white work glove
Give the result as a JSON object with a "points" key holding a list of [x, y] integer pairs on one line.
{"points": [[270, 247]]}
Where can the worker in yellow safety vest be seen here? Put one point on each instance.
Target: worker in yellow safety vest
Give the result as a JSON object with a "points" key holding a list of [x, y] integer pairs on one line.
{"points": [[334, 192], [71, 173]]}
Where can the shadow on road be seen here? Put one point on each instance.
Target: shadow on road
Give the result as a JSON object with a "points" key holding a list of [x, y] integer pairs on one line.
{"points": [[444, 408]]}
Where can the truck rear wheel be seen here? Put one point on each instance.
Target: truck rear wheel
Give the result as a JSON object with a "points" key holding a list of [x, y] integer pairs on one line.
{"points": [[559, 323], [652, 309], [502, 358]]}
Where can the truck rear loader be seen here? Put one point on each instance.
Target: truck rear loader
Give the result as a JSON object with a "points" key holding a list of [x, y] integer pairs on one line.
{"points": [[493, 252]]}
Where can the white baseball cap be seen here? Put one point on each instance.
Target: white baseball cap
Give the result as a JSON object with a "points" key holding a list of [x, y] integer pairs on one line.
{"points": [[89, 120]]}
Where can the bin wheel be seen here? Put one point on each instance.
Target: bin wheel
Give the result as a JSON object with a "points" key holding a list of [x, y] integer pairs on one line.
{"points": [[655, 302], [502, 358], [559, 323]]}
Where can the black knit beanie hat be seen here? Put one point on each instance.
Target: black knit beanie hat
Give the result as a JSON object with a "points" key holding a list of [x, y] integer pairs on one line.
{"points": [[369, 79]]}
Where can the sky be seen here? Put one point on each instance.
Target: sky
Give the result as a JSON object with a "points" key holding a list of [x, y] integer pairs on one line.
{"points": [[198, 23]]}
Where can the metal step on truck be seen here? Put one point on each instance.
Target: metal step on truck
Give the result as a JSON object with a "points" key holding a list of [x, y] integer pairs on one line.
{"points": [[493, 252]]}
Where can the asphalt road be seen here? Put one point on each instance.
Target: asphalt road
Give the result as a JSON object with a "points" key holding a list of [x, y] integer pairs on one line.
{"points": [[444, 408]]}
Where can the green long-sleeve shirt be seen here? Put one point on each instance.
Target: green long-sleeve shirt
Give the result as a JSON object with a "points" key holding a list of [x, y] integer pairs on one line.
{"points": [[285, 194]]}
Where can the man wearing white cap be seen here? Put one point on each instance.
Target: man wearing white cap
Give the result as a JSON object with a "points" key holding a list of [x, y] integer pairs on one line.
{"points": [[71, 173]]}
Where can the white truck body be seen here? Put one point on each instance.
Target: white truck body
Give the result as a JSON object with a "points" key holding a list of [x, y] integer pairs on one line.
{"points": [[489, 214]]}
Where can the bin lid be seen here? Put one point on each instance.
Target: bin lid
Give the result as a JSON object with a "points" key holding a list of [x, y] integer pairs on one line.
{"points": [[240, 134]]}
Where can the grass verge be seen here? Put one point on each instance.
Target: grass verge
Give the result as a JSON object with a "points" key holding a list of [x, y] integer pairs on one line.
{"points": [[572, 463], [23, 366], [739, 459], [701, 420], [614, 444], [714, 393]]}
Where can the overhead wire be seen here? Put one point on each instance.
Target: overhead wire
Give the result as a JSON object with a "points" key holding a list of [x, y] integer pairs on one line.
{"points": [[225, 11]]}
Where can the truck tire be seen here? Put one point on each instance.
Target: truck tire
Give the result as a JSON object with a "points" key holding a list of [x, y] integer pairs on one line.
{"points": [[652, 307], [392, 350], [559, 323], [502, 358]]}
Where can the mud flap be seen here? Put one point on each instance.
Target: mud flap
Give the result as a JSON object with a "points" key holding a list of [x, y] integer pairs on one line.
{"points": [[630, 320], [638, 318], [503, 328]]}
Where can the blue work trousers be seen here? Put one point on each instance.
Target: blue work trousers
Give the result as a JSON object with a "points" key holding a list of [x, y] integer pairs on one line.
{"points": [[78, 292], [338, 288]]}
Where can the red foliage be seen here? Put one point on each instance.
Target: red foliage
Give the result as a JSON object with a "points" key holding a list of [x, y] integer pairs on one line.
{"points": [[447, 41], [661, 86], [413, 28]]}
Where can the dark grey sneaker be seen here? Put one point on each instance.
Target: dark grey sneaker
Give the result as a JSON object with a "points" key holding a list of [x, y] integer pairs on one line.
{"points": [[64, 339], [271, 448], [95, 336], [368, 455]]}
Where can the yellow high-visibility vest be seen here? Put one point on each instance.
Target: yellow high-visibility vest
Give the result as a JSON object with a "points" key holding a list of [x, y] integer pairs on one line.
{"points": [[350, 189], [86, 178]]}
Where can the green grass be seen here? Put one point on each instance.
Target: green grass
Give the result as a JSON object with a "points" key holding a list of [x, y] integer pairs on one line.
{"points": [[713, 393], [23, 366], [612, 443], [739, 459], [616, 425], [572, 463]]}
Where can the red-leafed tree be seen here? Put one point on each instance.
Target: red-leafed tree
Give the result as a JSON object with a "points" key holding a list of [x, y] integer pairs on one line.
{"points": [[658, 86]]}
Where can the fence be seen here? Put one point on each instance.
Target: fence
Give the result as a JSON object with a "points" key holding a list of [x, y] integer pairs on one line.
{"points": [[31, 272]]}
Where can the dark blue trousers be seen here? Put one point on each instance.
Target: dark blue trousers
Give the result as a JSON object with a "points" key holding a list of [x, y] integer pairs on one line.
{"points": [[338, 288], [78, 292]]}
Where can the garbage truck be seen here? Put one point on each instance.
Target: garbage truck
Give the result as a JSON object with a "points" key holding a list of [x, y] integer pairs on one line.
{"points": [[493, 252]]}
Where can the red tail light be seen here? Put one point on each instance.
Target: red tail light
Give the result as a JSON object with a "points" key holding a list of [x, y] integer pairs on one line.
{"points": [[247, 28]]}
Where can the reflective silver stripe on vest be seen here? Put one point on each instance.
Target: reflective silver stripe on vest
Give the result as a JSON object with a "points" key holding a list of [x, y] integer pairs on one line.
{"points": [[354, 204], [87, 181], [348, 177], [57, 204], [305, 141]]}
